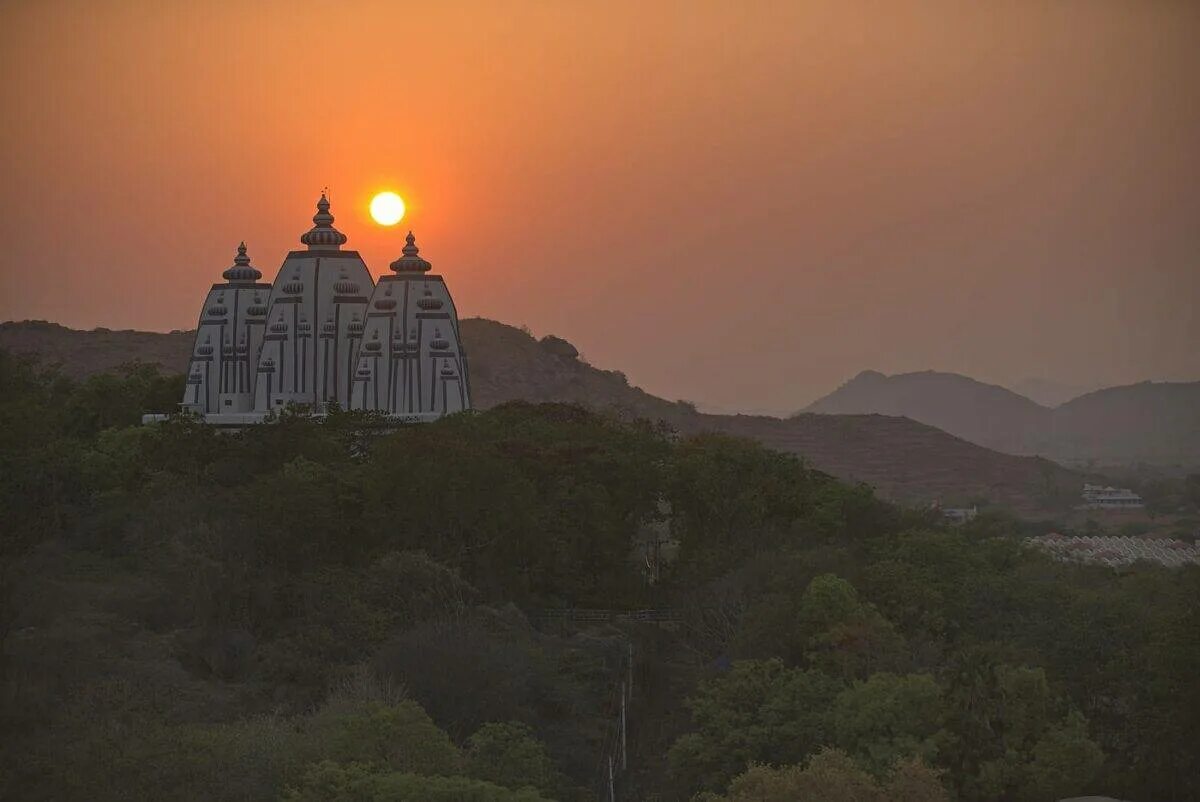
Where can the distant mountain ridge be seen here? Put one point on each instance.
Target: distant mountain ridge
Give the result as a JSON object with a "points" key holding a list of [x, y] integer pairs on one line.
{"points": [[905, 460], [986, 414], [1051, 393], [1153, 422]]}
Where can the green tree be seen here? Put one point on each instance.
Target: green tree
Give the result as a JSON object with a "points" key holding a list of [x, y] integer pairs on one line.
{"points": [[831, 776], [730, 496], [399, 736], [1011, 736], [844, 635], [759, 712], [888, 718], [509, 755], [332, 782]]}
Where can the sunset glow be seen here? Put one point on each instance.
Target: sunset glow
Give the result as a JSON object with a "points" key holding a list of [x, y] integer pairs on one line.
{"points": [[904, 184], [387, 208]]}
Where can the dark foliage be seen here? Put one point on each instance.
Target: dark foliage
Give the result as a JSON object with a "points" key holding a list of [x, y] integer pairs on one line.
{"points": [[337, 609]]}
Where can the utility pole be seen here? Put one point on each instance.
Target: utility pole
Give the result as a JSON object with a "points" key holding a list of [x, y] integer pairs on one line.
{"points": [[630, 671], [624, 760]]}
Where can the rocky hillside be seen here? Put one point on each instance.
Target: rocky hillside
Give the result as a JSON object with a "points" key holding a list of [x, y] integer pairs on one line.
{"points": [[904, 459], [81, 353], [910, 461], [1152, 422]]}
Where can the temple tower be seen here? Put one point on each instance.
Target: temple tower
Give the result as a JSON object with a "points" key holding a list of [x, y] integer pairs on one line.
{"points": [[314, 322], [411, 361], [221, 372]]}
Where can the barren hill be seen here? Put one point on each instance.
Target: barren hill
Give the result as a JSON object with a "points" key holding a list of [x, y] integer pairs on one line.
{"points": [[81, 353], [905, 460]]}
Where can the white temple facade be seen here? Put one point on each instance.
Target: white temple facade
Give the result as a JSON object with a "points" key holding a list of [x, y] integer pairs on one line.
{"points": [[323, 333], [223, 367], [314, 321], [411, 360]]}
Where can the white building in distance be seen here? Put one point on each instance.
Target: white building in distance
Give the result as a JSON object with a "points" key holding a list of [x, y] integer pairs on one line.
{"points": [[323, 333], [1098, 497]]}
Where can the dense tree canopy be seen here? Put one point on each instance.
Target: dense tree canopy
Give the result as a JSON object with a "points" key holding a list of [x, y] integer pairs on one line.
{"points": [[340, 609]]}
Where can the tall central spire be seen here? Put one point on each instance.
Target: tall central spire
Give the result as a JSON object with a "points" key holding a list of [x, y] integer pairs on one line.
{"points": [[323, 236]]}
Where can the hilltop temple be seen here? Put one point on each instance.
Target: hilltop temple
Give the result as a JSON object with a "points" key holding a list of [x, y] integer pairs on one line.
{"points": [[324, 333]]}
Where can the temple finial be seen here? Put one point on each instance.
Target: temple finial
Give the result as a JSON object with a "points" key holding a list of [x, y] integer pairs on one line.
{"points": [[410, 261], [242, 271], [323, 236]]}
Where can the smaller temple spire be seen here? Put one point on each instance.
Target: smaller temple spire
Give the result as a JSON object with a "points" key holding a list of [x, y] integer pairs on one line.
{"points": [[241, 272], [323, 236], [410, 261]]}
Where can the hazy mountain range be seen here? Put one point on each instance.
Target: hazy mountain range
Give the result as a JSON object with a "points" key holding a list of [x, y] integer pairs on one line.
{"points": [[1051, 393], [1152, 422], [903, 459]]}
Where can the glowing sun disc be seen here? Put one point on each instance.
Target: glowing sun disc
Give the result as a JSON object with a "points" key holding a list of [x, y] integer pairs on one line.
{"points": [[387, 208]]}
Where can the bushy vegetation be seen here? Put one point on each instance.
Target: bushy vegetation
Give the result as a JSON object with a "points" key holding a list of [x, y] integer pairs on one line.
{"points": [[334, 610]]}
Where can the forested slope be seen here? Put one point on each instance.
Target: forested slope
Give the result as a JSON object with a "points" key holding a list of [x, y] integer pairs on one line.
{"points": [[310, 611]]}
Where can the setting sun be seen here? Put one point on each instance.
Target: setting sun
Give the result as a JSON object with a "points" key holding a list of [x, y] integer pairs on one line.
{"points": [[387, 208]]}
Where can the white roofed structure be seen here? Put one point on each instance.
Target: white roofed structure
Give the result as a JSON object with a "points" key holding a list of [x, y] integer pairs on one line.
{"points": [[412, 360], [314, 322], [221, 372], [322, 333]]}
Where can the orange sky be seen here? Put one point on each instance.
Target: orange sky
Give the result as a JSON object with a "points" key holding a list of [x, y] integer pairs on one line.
{"points": [[741, 204]]}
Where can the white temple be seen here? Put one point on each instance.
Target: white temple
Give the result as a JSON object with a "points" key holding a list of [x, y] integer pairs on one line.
{"points": [[324, 333]]}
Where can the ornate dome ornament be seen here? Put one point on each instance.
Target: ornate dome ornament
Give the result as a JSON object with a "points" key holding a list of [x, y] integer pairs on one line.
{"points": [[364, 369], [195, 378], [279, 326], [344, 286], [294, 287], [387, 301], [267, 365], [329, 327], [356, 325], [242, 272], [206, 348], [323, 236], [428, 302], [437, 343], [447, 371], [374, 345], [303, 326], [241, 346], [227, 348], [410, 262], [257, 308]]}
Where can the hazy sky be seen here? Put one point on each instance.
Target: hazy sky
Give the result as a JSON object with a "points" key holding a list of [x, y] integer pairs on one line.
{"points": [[742, 204]]}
